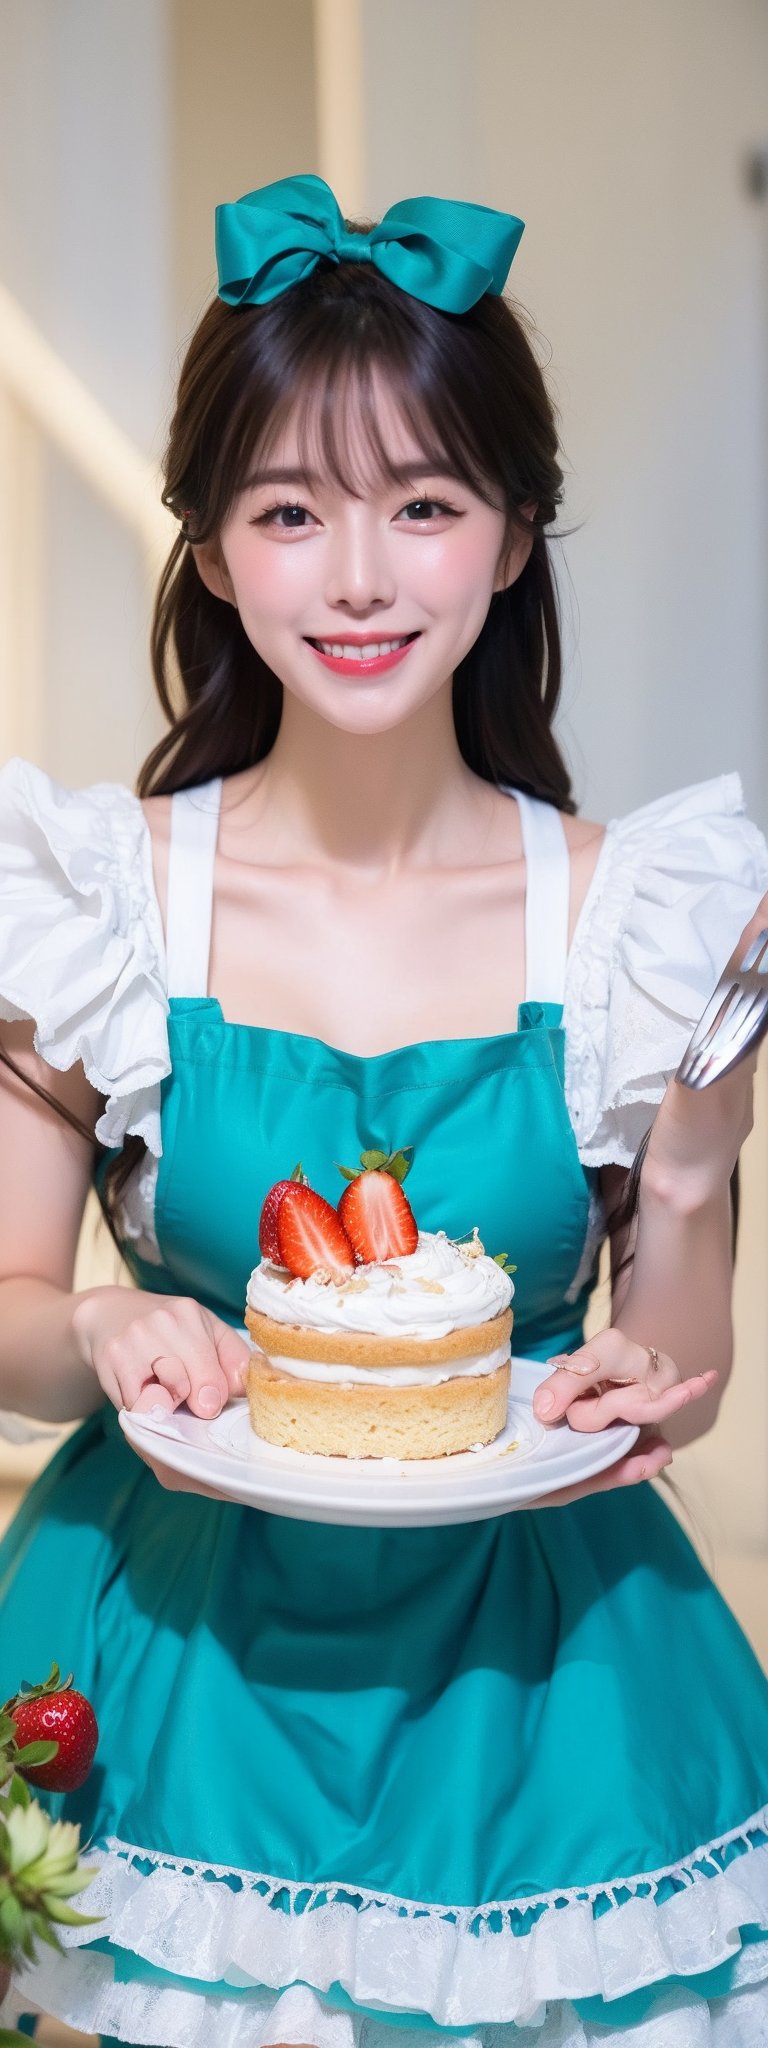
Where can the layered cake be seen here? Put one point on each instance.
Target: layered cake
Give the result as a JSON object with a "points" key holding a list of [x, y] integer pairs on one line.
{"points": [[373, 1338]]}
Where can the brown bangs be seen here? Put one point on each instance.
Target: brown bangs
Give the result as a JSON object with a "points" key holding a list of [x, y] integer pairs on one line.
{"points": [[311, 357], [333, 409]]}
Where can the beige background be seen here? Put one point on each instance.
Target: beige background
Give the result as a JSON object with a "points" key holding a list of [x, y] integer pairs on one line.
{"points": [[621, 135]]}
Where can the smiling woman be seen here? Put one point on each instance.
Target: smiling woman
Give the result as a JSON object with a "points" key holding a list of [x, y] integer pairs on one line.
{"points": [[372, 391], [353, 911]]}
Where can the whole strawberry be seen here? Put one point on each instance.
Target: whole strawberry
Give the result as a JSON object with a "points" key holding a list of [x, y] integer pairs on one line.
{"points": [[53, 1712], [268, 1241], [375, 1211]]}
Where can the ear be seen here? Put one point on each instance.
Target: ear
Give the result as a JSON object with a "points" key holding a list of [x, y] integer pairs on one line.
{"points": [[516, 553], [212, 569]]}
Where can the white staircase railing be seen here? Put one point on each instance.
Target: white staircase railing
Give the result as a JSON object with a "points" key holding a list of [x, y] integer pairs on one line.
{"points": [[43, 401]]}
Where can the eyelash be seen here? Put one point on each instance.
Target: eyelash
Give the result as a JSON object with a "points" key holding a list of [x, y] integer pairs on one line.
{"points": [[289, 505]]}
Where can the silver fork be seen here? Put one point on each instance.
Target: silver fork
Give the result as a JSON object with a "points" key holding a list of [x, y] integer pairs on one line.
{"points": [[735, 1019]]}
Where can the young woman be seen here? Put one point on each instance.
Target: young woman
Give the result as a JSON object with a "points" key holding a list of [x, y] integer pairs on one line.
{"points": [[502, 1781]]}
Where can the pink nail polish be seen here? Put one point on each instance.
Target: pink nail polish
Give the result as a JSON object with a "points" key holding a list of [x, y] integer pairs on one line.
{"points": [[544, 1401]]}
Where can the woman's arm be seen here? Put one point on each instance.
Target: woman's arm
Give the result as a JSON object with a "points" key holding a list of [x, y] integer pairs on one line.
{"points": [[46, 1171], [677, 1292], [666, 1354], [61, 1352], [676, 1289]]}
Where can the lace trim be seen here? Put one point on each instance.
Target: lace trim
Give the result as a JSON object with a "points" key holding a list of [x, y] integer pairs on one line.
{"points": [[80, 1989], [305, 1897], [471, 1967]]}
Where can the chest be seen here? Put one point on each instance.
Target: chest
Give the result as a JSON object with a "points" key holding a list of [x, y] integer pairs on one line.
{"points": [[370, 964]]}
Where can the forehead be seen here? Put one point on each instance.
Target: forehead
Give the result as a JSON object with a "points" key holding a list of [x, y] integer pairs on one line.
{"points": [[355, 429]]}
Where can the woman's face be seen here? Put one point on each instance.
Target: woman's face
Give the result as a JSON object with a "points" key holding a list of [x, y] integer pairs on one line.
{"points": [[306, 563]]}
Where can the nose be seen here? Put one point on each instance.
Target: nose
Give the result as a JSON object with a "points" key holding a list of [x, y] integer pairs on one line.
{"points": [[360, 574]]}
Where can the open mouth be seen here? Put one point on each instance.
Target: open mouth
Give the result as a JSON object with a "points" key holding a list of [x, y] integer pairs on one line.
{"points": [[371, 650]]}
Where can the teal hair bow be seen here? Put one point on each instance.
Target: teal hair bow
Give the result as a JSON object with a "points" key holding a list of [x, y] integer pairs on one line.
{"points": [[444, 251]]}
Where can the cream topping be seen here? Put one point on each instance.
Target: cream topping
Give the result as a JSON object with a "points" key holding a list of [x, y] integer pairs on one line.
{"points": [[392, 1375], [442, 1286]]}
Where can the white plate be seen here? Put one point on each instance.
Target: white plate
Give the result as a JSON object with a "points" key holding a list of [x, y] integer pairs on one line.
{"points": [[524, 1463]]}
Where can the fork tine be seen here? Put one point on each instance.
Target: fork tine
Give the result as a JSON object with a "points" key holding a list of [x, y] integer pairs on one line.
{"points": [[709, 1065], [722, 1010], [727, 989], [757, 954], [703, 1054]]}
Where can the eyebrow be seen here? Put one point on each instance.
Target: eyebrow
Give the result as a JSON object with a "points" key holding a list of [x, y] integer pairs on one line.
{"points": [[403, 472]]}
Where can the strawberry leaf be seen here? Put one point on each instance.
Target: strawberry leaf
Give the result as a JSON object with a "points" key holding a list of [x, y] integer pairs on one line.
{"points": [[349, 1172], [371, 1161], [53, 1683], [35, 1753], [399, 1163]]}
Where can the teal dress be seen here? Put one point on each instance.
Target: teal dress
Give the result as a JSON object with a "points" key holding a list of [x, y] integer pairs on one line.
{"points": [[503, 1781]]}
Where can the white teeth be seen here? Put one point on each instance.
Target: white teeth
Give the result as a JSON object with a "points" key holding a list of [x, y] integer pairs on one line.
{"points": [[346, 651]]}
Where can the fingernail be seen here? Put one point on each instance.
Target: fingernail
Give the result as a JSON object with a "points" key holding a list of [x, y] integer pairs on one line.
{"points": [[209, 1400], [543, 1402]]}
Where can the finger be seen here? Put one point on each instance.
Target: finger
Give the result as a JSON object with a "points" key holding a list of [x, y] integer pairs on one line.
{"points": [[614, 1358], [645, 1461], [234, 1355], [168, 1373], [208, 1384], [153, 1398], [638, 1402]]}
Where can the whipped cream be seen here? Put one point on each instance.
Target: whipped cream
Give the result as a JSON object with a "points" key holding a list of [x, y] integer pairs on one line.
{"points": [[392, 1375], [442, 1286]]}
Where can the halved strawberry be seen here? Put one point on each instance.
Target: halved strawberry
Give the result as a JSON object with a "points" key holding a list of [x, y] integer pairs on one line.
{"points": [[376, 1214], [268, 1244], [310, 1234]]}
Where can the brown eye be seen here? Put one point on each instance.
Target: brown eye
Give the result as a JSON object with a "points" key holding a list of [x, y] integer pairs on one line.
{"points": [[426, 506]]}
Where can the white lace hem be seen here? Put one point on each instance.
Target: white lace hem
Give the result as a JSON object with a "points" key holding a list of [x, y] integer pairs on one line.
{"points": [[82, 1992], [461, 1966]]}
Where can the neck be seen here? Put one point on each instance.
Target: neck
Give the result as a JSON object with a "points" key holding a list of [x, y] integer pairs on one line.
{"points": [[370, 801]]}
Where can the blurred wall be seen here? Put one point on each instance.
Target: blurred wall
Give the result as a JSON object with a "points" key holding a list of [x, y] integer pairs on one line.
{"points": [[620, 135], [244, 114]]}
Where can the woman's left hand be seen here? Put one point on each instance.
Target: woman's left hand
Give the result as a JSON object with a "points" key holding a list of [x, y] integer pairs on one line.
{"points": [[614, 1379]]}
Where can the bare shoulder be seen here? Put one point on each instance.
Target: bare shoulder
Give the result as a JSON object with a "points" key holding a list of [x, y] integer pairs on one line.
{"points": [[584, 839]]}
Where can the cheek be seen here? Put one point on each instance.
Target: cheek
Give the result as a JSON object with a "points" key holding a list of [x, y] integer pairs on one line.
{"points": [[460, 573], [268, 582]]}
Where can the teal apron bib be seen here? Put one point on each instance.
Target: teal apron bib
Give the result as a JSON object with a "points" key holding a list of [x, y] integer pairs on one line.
{"points": [[453, 1716]]}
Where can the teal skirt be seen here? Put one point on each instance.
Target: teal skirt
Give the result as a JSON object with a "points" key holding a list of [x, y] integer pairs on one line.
{"points": [[475, 1779]]}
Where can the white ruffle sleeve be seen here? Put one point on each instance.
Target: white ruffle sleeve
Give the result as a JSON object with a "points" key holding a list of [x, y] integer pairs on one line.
{"points": [[82, 950], [674, 885]]}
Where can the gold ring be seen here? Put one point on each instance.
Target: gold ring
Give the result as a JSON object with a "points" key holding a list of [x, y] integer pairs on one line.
{"points": [[654, 1356]]}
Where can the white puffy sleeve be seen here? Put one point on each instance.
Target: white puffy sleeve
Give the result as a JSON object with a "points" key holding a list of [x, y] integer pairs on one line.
{"points": [[82, 950], [674, 885]]}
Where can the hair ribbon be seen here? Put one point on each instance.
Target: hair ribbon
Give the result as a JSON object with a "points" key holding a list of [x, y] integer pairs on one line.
{"points": [[447, 252]]}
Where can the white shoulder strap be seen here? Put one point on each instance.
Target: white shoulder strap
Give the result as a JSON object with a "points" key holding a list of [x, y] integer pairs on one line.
{"points": [[547, 899], [194, 832]]}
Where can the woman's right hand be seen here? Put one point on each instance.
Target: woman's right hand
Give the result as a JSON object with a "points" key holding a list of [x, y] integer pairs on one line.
{"points": [[156, 1350]]}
